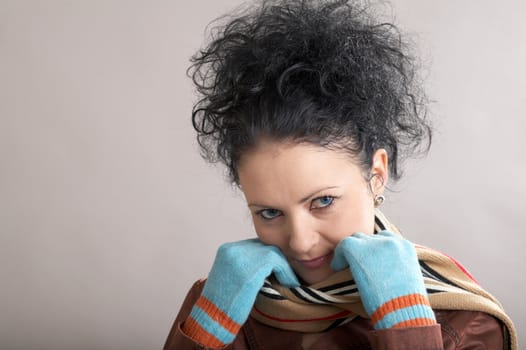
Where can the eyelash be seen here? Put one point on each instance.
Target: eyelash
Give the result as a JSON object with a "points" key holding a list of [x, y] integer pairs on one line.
{"points": [[320, 198], [332, 198]]}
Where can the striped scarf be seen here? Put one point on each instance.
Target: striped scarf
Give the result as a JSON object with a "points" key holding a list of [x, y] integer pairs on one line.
{"points": [[335, 301]]}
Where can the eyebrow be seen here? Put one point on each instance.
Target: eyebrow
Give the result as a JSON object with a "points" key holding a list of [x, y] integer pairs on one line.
{"points": [[303, 200]]}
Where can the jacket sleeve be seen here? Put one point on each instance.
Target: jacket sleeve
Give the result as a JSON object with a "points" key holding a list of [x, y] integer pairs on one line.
{"points": [[414, 338], [457, 330], [463, 330], [177, 340]]}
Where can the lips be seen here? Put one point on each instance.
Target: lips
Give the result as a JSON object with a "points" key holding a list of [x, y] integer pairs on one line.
{"points": [[316, 262]]}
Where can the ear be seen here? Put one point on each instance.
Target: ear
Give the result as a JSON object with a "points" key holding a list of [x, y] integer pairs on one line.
{"points": [[379, 171]]}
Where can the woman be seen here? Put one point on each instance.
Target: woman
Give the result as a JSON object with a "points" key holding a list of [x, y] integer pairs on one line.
{"points": [[311, 106]]}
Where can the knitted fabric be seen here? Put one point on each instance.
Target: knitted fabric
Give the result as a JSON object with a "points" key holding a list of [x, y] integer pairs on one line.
{"points": [[392, 297], [239, 271], [335, 301]]}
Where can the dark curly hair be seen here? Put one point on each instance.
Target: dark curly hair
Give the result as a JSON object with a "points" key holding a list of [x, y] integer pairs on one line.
{"points": [[322, 72]]}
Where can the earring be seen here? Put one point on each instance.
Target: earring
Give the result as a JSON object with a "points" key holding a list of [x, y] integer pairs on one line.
{"points": [[378, 200]]}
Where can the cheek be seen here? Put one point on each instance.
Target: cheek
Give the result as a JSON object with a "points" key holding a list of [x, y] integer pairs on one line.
{"points": [[269, 234], [350, 221], [338, 228]]}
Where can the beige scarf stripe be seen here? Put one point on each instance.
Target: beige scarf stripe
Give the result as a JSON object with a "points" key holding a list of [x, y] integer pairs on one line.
{"points": [[470, 296], [449, 285]]}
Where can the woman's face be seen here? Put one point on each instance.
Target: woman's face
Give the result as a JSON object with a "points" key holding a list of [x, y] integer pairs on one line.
{"points": [[305, 199]]}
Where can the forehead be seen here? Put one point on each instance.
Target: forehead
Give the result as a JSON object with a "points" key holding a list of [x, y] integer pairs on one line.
{"points": [[281, 169]]}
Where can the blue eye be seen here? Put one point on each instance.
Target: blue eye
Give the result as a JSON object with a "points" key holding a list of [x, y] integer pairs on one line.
{"points": [[269, 214], [322, 202]]}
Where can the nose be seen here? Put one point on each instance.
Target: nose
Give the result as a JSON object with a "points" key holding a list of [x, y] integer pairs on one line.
{"points": [[303, 235]]}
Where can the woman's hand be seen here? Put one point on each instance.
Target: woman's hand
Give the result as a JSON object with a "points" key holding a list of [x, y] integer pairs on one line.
{"points": [[387, 273], [238, 273]]}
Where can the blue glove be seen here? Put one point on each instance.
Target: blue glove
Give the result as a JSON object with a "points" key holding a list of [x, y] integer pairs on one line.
{"points": [[387, 273], [238, 273]]}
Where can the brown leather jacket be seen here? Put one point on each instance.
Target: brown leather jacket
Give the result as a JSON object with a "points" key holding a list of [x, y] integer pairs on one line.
{"points": [[456, 330]]}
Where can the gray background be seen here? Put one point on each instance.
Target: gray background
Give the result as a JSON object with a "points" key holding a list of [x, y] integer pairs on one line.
{"points": [[108, 214]]}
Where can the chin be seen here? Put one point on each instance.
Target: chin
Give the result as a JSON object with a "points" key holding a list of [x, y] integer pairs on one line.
{"points": [[313, 277]]}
